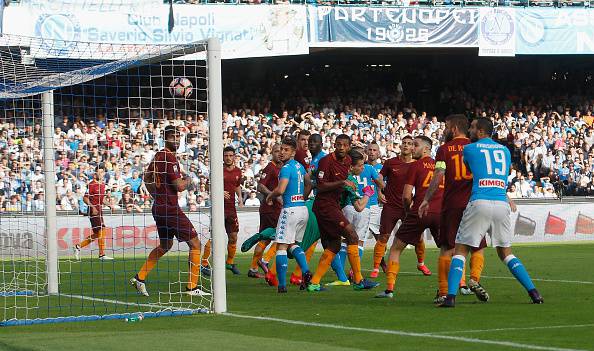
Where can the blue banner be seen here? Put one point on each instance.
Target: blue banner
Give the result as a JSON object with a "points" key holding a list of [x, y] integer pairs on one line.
{"points": [[393, 27], [554, 31]]}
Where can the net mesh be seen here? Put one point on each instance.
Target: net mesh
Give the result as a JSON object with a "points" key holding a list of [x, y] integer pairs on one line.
{"points": [[108, 113]]}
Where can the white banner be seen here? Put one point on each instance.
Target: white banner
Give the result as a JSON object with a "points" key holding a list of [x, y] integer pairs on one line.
{"points": [[244, 31], [497, 32], [534, 223]]}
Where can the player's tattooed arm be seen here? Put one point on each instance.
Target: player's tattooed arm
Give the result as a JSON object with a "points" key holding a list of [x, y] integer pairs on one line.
{"points": [[278, 191], [436, 181], [407, 197], [263, 189]]}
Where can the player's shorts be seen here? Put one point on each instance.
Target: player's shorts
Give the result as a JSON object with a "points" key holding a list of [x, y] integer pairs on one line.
{"points": [[97, 222], [485, 216], [231, 223], [174, 224], [268, 220], [331, 222], [412, 227], [291, 225], [375, 214], [448, 229], [359, 220], [389, 218]]}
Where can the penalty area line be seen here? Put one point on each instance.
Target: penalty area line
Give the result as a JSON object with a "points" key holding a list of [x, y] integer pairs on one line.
{"points": [[515, 329], [403, 333]]}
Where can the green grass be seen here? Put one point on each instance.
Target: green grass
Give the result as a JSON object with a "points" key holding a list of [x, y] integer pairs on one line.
{"points": [[567, 304]]}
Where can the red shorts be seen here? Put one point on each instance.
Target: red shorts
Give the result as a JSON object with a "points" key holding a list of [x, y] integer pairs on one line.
{"points": [[450, 221], [268, 220], [331, 222], [97, 222], [413, 227], [232, 223], [174, 224], [389, 218]]}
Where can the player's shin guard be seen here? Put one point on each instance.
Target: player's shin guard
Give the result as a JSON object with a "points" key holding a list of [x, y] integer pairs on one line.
{"points": [[299, 255], [519, 271], [325, 262], [455, 274], [258, 252], [355, 261], [282, 263], [101, 242], [420, 251], [231, 248], [342, 254], [338, 268], [194, 272], [392, 274], [378, 253], [477, 262], [443, 266], [150, 262], [206, 254], [270, 253]]}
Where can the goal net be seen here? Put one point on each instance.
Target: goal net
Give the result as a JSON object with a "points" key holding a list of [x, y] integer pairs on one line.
{"points": [[98, 206]]}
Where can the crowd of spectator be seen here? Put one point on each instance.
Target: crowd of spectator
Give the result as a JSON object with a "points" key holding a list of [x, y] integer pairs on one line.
{"points": [[551, 140]]}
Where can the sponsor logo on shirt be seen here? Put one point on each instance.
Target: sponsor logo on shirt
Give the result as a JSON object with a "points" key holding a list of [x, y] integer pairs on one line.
{"points": [[296, 198], [491, 183]]}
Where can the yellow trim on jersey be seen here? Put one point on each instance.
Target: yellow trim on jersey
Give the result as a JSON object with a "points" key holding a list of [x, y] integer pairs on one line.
{"points": [[440, 165]]}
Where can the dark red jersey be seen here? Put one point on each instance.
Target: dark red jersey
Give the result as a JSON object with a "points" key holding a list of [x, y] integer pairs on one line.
{"points": [[301, 156], [458, 178], [231, 180], [165, 170], [96, 194], [419, 176], [331, 170], [395, 171], [269, 178]]}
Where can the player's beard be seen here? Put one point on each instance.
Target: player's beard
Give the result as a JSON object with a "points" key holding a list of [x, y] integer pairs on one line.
{"points": [[473, 138]]}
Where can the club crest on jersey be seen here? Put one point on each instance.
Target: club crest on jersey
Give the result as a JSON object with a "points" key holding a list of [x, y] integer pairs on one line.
{"points": [[175, 169], [491, 183]]}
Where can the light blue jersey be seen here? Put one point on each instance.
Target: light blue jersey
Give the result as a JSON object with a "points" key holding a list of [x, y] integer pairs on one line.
{"points": [[489, 163], [295, 173], [313, 168], [366, 178]]}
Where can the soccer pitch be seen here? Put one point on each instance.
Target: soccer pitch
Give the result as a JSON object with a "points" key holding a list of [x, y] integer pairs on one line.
{"points": [[342, 319]]}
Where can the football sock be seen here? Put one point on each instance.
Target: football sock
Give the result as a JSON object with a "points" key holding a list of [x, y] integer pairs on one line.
{"points": [[101, 242], [393, 269], [270, 253], [477, 262], [231, 248], [443, 266], [420, 251], [463, 279], [355, 261], [194, 261], [150, 262], [206, 254], [342, 254], [325, 262], [297, 272], [272, 265], [378, 253], [258, 252], [299, 255], [281, 267], [338, 268], [455, 274], [519, 271]]}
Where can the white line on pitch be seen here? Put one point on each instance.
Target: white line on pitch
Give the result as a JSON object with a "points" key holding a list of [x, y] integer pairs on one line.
{"points": [[117, 302], [494, 277], [514, 329], [403, 333]]}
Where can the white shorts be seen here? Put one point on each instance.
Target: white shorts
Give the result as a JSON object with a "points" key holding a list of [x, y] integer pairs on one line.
{"points": [[374, 219], [359, 220], [485, 216], [291, 225]]}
